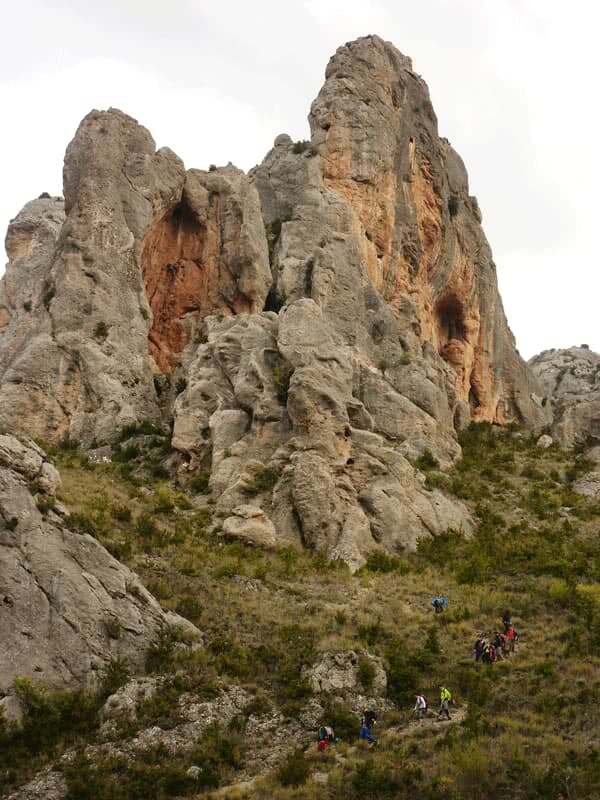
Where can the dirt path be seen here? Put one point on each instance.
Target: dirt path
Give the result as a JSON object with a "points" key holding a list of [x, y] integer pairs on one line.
{"points": [[430, 723]]}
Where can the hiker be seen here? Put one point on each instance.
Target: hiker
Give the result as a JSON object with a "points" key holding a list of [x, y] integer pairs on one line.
{"points": [[445, 698], [326, 738], [506, 620], [366, 727], [439, 604], [489, 654], [420, 708], [499, 642], [512, 638], [480, 646]]}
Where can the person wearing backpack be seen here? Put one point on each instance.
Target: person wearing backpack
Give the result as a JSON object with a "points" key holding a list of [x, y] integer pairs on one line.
{"points": [[420, 708], [326, 738], [479, 648], [512, 637], [499, 642], [366, 727], [445, 698]]}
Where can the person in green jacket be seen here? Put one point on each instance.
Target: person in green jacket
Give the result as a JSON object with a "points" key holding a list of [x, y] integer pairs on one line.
{"points": [[445, 698]]}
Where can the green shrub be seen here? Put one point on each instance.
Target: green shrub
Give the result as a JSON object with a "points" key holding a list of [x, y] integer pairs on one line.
{"points": [[380, 561], [427, 461], [161, 649], [366, 673], [81, 523], [343, 721], [302, 146], [263, 480], [144, 428], [164, 502], [189, 607], [121, 513], [146, 527], [282, 375], [294, 771], [114, 675], [199, 483]]}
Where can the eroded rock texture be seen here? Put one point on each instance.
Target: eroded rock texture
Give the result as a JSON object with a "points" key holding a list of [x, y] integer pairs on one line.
{"points": [[66, 605], [96, 302], [571, 381], [332, 316]]}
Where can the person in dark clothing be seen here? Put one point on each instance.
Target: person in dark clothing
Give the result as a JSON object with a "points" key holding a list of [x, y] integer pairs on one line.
{"points": [[366, 727], [506, 620], [479, 648]]}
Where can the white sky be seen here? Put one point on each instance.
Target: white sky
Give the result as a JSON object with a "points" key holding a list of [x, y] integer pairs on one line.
{"points": [[513, 82]]}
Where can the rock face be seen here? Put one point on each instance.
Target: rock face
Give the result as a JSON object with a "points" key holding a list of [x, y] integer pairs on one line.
{"points": [[66, 605], [94, 304], [571, 380], [323, 321]]}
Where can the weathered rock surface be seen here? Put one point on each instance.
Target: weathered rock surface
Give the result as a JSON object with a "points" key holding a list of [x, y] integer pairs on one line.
{"points": [[571, 381], [66, 605], [96, 302], [340, 672], [323, 321]]}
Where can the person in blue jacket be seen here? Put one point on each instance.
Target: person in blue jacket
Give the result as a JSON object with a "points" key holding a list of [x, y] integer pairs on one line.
{"points": [[366, 727]]}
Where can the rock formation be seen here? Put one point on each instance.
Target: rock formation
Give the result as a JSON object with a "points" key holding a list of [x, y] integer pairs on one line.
{"points": [[571, 380], [66, 605], [323, 321]]}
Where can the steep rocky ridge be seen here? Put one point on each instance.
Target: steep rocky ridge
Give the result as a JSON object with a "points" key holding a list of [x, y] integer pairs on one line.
{"points": [[324, 321], [571, 381]]}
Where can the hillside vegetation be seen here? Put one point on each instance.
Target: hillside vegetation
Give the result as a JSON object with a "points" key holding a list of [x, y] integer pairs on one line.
{"points": [[530, 725]]}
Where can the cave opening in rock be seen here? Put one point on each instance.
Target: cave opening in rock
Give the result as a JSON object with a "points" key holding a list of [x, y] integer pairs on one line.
{"points": [[176, 270], [450, 320]]}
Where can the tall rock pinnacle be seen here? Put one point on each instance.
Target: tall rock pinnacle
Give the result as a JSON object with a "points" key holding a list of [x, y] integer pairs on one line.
{"points": [[322, 321]]}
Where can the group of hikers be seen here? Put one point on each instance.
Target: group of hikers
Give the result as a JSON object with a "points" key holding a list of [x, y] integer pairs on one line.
{"points": [[499, 646]]}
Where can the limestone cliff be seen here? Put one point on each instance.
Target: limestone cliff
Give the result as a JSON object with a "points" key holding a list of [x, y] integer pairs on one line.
{"points": [[309, 330]]}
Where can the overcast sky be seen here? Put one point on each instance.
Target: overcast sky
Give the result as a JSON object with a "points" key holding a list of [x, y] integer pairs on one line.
{"points": [[513, 82]]}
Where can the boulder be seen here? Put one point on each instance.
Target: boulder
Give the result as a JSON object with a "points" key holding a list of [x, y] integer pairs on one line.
{"points": [[251, 525], [545, 441], [588, 485], [338, 673], [571, 381]]}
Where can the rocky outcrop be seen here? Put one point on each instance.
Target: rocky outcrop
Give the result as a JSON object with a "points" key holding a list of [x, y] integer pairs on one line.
{"points": [[102, 295], [571, 381], [66, 605], [310, 330], [341, 672]]}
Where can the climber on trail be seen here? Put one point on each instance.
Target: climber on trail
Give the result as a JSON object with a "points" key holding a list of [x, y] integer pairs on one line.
{"points": [[366, 727], [445, 698], [420, 708], [489, 654], [499, 642], [326, 738], [480, 646], [512, 637], [506, 620], [439, 604]]}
